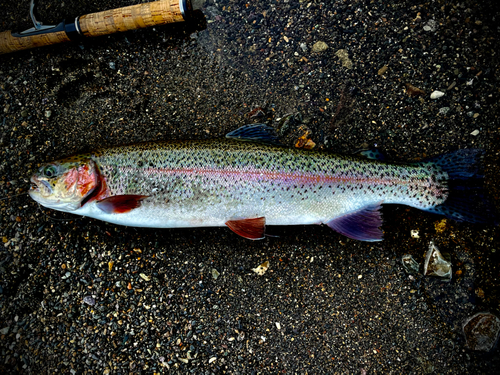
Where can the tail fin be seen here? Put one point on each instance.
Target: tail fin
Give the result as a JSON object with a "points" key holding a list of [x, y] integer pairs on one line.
{"points": [[467, 198]]}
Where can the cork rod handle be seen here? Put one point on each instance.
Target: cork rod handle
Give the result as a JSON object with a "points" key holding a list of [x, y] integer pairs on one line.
{"points": [[10, 43], [101, 23], [132, 17]]}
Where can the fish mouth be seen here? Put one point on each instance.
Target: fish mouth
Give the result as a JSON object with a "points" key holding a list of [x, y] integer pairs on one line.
{"points": [[40, 186]]}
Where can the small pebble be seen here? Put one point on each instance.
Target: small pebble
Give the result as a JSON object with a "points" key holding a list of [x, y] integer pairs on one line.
{"points": [[444, 110], [431, 25], [475, 132], [382, 70], [413, 91], [319, 47], [343, 55], [89, 300]]}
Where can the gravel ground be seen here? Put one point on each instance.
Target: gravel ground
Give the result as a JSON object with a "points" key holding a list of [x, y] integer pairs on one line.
{"points": [[82, 296]]}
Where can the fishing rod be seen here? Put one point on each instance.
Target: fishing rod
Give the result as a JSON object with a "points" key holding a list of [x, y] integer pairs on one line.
{"points": [[95, 24]]}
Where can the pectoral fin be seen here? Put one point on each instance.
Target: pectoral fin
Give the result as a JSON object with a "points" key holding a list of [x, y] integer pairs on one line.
{"points": [[363, 225], [253, 229], [120, 204]]}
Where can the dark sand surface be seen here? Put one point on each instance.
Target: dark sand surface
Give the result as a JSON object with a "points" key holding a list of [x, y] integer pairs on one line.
{"points": [[327, 304]]}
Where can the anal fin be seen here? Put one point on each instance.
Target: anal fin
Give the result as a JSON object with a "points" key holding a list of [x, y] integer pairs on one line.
{"points": [[120, 204], [362, 225], [253, 229]]}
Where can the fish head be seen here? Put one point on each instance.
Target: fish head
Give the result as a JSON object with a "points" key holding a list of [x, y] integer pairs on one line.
{"points": [[65, 184]]}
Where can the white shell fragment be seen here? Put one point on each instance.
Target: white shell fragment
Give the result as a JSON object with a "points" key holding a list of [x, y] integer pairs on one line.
{"points": [[435, 265], [144, 277], [437, 94], [414, 233], [260, 270], [475, 132], [410, 265], [215, 274]]}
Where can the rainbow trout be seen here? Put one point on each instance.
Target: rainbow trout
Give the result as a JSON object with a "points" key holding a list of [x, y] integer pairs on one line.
{"points": [[247, 185]]}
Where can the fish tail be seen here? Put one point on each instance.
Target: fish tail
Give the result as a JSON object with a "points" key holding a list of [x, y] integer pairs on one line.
{"points": [[467, 197]]}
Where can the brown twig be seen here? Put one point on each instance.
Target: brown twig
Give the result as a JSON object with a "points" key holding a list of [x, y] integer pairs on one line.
{"points": [[340, 105]]}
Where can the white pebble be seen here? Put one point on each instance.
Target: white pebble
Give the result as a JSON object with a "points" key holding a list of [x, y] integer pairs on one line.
{"points": [[475, 132], [437, 94]]}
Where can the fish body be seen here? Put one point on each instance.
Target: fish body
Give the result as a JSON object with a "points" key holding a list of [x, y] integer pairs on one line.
{"points": [[244, 185]]}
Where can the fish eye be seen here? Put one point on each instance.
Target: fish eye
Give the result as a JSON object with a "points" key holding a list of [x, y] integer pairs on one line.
{"points": [[49, 171]]}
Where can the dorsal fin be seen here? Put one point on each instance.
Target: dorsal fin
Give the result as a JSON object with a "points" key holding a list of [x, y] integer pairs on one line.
{"points": [[261, 133], [372, 154]]}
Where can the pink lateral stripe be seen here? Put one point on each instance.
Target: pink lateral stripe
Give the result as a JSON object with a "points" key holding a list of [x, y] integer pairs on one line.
{"points": [[259, 175]]}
